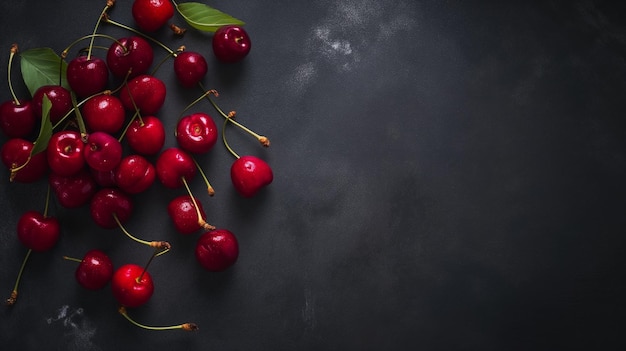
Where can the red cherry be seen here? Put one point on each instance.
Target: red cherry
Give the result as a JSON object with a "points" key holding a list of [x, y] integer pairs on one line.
{"points": [[231, 43], [104, 113], [94, 271], [60, 99], [146, 136], [17, 121], [148, 93], [217, 250], [132, 54], [65, 152], [249, 174], [87, 76], [108, 202], [151, 15], [183, 213], [196, 133], [15, 153], [128, 289], [190, 67], [105, 179], [174, 164], [134, 174], [75, 190], [103, 152], [37, 232]]}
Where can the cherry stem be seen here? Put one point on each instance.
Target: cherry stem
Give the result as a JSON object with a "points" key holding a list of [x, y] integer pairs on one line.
{"points": [[79, 119], [184, 326], [224, 138], [13, 298], [201, 221], [45, 209], [14, 50], [108, 19], [210, 189], [231, 115], [163, 246], [72, 259], [91, 37], [193, 103], [145, 267], [95, 29]]}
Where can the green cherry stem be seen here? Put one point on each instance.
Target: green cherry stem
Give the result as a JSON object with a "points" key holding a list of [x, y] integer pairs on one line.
{"points": [[14, 50], [201, 220], [163, 246], [184, 326], [13, 298], [95, 29], [91, 37], [210, 189], [108, 19], [224, 139]]}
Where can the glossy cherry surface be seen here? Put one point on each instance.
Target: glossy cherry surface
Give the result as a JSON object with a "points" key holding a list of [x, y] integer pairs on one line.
{"points": [[196, 133], [151, 15], [87, 76], [217, 250], [249, 174], [190, 68], [108, 202], [174, 164], [146, 91], [60, 101], [231, 43], [17, 120], [134, 174], [183, 213], [130, 56], [65, 152], [95, 270], [37, 232], [103, 152], [146, 136], [104, 113], [15, 153], [75, 190], [128, 289]]}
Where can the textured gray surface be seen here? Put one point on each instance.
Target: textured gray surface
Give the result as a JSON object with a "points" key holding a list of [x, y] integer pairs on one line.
{"points": [[447, 176]]}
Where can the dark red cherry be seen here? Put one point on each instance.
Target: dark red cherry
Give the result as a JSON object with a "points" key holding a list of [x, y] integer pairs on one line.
{"points": [[15, 155], [17, 120], [94, 271], [132, 286], [190, 68], [87, 76], [173, 165], [108, 202], [147, 92], [146, 136], [65, 152], [196, 133], [75, 190], [183, 213], [134, 174], [60, 100], [249, 174], [231, 43], [151, 15], [37, 232], [217, 250], [104, 113], [103, 152], [133, 54]]}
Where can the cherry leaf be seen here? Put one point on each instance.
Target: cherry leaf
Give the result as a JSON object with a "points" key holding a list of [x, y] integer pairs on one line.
{"points": [[205, 18], [42, 66], [45, 131]]}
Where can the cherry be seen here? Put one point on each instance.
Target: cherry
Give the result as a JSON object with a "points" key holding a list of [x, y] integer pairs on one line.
{"points": [[87, 75], [65, 152], [105, 179], [94, 271], [146, 91], [231, 43], [17, 119], [107, 204], [134, 174], [130, 56], [104, 113], [16, 156], [38, 232], [249, 174], [75, 190], [174, 165], [103, 151], [132, 285], [190, 67], [151, 15], [196, 133], [146, 136], [217, 250], [184, 213], [60, 99]]}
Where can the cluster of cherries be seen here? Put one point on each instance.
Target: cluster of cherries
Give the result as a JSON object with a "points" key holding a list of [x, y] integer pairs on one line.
{"points": [[84, 158]]}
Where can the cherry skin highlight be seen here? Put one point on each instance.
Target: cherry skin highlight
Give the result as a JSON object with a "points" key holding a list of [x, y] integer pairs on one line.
{"points": [[183, 213], [104, 113], [196, 133], [15, 153], [75, 190], [37, 232], [17, 120], [65, 152], [60, 101], [249, 174], [87, 77], [148, 93], [103, 152], [147, 136], [151, 15], [108, 202], [231, 43], [134, 174], [132, 56], [94, 271], [128, 289], [217, 250], [190, 68], [174, 164]]}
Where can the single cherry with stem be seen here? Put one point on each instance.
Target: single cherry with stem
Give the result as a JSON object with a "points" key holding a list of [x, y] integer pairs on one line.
{"points": [[60, 101], [151, 15], [94, 270], [17, 117], [196, 133], [132, 54], [231, 43], [217, 250], [16, 154], [134, 174], [74, 190], [190, 68], [65, 152]]}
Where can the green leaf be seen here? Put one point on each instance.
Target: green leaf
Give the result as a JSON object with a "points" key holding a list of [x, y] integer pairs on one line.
{"points": [[42, 66], [205, 18], [45, 132]]}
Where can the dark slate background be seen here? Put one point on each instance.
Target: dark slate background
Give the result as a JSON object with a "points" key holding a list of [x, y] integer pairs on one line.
{"points": [[448, 176]]}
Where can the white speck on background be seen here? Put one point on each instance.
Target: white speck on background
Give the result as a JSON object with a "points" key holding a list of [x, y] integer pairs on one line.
{"points": [[78, 329], [308, 310]]}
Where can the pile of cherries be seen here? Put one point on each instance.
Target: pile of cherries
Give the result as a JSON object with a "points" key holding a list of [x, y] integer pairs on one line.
{"points": [[87, 164]]}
